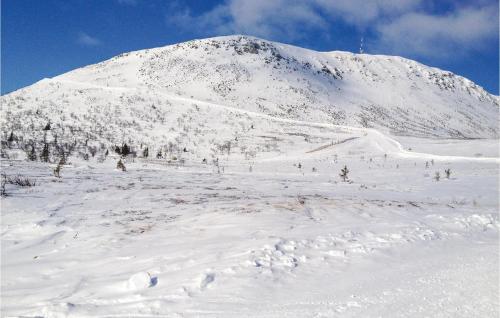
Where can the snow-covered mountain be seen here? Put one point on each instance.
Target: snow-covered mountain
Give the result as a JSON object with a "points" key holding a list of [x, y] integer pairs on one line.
{"points": [[189, 92], [271, 181]]}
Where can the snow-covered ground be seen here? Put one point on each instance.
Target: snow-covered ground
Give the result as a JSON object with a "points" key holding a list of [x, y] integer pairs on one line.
{"points": [[244, 214], [262, 238]]}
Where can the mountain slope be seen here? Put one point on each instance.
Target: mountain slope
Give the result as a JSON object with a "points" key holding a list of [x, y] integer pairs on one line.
{"points": [[266, 192], [134, 97]]}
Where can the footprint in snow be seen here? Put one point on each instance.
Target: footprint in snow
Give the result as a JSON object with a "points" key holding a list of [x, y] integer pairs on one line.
{"points": [[141, 280], [206, 280]]}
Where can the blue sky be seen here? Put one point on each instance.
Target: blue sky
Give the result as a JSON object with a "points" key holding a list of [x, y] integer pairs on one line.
{"points": [[46, 38]]}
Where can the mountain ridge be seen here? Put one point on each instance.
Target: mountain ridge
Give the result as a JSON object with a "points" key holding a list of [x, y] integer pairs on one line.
{"points": [[128, 98]]}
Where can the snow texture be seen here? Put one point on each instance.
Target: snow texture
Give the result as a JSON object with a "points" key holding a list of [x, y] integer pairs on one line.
{"points": [[244, 214]]}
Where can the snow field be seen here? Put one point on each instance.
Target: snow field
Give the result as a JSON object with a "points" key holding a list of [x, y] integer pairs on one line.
{"points": [[173, 240]]}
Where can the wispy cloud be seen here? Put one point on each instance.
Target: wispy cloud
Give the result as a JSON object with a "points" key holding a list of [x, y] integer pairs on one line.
{"points": [[459, 32], [411, 27], [269, 19], [87, 40]]}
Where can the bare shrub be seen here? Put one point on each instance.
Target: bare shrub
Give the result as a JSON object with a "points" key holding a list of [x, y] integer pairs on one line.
{"points": [[3, 182], [18, 180], [57, 170], [437, 176], [120, 165], [448, 173]]}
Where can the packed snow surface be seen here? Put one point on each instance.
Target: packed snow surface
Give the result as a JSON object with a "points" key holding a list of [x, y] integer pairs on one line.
{"points": [[262, 238], [239, 209]]}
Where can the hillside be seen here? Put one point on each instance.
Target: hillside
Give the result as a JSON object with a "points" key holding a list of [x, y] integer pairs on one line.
{"points": [[158, 97], [260, 180]]}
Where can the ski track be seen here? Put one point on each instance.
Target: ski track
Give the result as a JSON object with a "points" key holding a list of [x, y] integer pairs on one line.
{"points": [[203, 244], [170, 240], [391, 145]]}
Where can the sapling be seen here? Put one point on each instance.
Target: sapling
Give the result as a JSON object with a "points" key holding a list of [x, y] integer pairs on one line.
{"points": [[343, 173], [125, 151], [45, 153], [437, 176], [448, 173], [57, 170], [3, 192], [10, 140], [121, 166], [62, 161], [32, 154]]}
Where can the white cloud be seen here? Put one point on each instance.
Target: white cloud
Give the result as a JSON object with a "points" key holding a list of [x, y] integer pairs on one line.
{"points": [[459, 32], [269, 19], [363, 13], [396, 26], [274, 18], [87, 40], [287, 17]]}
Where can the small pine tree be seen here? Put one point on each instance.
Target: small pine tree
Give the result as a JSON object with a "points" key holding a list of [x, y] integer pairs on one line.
{"points": [[45, 153], [118, 150], [299, 166], [125, 150], [93, 151], [437, 176], [344, 173], [448, 173], [145, 152], [3, 192], [11, 137], [159, 155], [47, 127], [121, 166], [106, 153], [62, 161], [32, 154]]}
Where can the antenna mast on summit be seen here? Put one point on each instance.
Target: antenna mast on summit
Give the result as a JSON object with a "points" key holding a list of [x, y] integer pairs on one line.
{"points": [[361, 46]]}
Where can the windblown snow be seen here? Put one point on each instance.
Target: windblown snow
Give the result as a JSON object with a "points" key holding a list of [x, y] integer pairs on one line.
{"points": [[231, 204]]}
